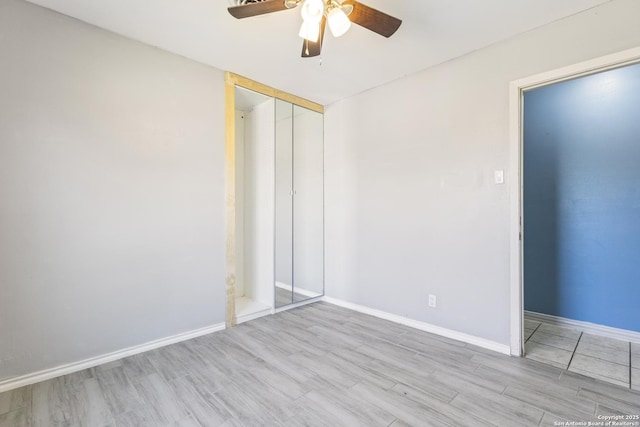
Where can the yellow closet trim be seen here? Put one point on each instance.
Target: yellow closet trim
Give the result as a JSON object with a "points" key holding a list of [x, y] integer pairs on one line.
{"points": [[230, 202], [235, 79]]}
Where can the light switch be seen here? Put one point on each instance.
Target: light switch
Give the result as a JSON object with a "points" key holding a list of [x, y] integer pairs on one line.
{"points": [[499, 177]]}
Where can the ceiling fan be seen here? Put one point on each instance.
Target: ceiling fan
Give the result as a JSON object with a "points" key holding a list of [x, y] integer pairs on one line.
{"points": [[317, 13]]}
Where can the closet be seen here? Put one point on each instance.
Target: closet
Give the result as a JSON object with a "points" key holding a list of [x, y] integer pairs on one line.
{"points": [[275, 200], [254, 216]]}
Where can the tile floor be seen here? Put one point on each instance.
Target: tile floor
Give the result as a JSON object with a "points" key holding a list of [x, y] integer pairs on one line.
{"points": [[607, 359]]}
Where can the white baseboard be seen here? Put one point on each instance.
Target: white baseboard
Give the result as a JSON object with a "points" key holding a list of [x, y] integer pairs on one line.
{"points": [[252, 316], [448, 333], [46, 374], [588, 327]]}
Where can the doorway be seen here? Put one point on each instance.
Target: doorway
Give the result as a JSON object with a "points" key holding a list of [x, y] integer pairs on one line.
{"points": [[517, 92]]}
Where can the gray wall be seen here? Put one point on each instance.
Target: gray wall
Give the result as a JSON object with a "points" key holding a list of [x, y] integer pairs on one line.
{"points": [[410, 201], [111, 192]]}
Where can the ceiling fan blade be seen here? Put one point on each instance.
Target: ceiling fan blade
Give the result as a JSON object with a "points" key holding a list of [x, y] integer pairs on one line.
{"points": [[257, 8], [310, 49], [372, 19]]}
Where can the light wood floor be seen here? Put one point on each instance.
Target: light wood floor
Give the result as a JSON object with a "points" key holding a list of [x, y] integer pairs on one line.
{"points": [[317, 365]]}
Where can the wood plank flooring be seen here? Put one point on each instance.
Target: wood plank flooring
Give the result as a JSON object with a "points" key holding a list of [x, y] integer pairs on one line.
{"points": [[317, 365]]}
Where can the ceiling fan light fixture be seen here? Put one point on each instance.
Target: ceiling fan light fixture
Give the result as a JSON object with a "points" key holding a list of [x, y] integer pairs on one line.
{"points": [[312, 10], [338, 21], [310, 31]]}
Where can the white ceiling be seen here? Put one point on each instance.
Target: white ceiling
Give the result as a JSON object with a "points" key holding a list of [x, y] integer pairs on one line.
{"points": [[267, 48]]}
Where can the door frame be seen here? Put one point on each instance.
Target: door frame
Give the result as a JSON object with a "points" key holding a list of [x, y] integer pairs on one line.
{"points": [[517, 88]]}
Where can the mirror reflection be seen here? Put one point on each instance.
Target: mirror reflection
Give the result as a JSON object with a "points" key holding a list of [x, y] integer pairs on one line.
{"points": [[299, 204]]}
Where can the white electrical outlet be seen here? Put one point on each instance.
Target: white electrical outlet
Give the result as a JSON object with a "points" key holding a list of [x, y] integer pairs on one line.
{"points": [[498, 176], [432, 301]]}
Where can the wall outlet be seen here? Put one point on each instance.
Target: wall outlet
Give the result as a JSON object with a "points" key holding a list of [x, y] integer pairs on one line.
{"points": [[498, 176], [432, 301]]}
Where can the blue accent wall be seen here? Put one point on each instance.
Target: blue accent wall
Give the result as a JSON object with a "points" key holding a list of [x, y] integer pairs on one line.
{"points": [[582, 199]]}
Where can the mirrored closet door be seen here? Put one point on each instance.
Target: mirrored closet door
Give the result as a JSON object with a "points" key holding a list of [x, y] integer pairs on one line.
{"points": [[299, 203]]}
